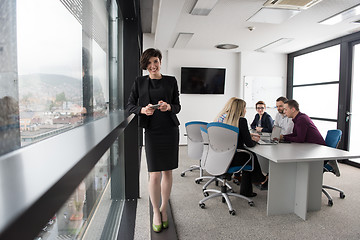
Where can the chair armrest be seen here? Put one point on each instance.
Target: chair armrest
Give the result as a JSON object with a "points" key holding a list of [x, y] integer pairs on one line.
{"points": [[251, 158]]}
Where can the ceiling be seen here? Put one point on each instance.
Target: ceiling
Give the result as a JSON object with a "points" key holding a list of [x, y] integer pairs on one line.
{"points": [[227, 24]]}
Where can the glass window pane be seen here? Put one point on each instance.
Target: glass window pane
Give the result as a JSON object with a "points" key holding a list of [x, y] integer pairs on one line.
{"points": [[317, 67], [324, 126], [49, 44], [76, 217], [318, 101], [355, 98], [101, 85]]}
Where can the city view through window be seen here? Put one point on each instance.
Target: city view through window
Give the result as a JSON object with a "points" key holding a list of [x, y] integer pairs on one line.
{"points": [[50, 61]]}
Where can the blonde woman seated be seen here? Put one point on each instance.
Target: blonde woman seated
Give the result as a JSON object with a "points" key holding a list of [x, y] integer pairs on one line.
{"points": [[233, 114]]}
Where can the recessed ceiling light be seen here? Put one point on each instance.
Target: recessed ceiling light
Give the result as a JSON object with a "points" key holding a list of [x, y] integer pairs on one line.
{"points": [[274, 44], [226, 46], [182, 40], [339, 17], [272, 15], [203, 7]]}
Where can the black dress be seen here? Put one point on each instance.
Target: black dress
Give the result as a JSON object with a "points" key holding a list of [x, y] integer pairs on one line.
{"points": [[161, 134]]}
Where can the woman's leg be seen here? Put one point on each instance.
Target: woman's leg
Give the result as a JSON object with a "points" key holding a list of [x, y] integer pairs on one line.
{"points": [[154, 192], [166, 184], [246, 188], [257, 176]]}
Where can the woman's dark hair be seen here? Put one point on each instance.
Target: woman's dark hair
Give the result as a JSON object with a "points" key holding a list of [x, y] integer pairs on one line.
{"points": [[260, 102], [149, 53]]}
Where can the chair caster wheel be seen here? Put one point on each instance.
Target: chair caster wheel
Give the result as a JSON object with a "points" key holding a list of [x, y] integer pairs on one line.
{"points": [[232, 212], [182, 174], [223, 200], [330, 203], [342, 195], [206, 194], [202, 205], [251, 204], [197, 181]]}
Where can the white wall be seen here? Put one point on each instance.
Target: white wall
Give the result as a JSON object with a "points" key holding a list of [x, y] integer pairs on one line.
{"points": [[263, 64], [203, 107]]}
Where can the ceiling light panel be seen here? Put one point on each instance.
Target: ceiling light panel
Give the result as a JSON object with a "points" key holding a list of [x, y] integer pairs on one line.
{"points": [[274, 44], [203, 7], [273, 15], [337, 18], [182, 40]]}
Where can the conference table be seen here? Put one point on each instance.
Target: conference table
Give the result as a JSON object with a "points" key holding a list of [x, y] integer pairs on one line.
{"points": [[296, 174]]}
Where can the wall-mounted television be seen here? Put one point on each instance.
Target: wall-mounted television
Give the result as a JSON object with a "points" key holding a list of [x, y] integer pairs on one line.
{"points": [[195, 80]]}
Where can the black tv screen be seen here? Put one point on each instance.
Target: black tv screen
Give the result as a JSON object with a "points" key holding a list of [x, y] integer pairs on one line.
{"points": [[196, 80]]}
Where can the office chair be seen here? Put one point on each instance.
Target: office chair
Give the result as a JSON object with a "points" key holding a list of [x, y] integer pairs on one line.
{"points": [[205, 138], [222, 147], [332, 140], [194, 144]]}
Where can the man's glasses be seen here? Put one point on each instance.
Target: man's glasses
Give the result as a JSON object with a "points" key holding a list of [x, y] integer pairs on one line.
{"points": [[260, 108]]}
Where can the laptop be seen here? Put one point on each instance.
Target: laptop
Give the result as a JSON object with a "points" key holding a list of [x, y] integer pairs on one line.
{"points": [[267, 140]]}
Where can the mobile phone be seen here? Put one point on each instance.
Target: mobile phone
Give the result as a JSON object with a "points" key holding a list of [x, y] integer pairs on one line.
{"points": [[155, 106]]}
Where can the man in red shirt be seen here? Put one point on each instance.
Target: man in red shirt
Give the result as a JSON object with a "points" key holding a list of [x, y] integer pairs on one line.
{"points": [[304, 130]]}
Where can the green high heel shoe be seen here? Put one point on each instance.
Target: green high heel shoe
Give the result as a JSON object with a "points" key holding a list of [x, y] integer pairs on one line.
{"points": [[165, 224], [157, 228]]}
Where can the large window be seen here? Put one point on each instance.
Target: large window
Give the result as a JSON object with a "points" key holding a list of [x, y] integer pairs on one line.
{"points": [[316, 86], [54, 75], [324, 79], [62, 64]]}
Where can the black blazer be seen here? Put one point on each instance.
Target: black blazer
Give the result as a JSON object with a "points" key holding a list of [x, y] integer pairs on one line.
{"points": [[139, 98], [244, 137], [266, 122]]}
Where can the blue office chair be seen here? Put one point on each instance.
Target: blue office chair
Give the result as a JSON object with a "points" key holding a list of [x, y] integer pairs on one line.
{"points": [[332, 140], [194, 144], [222, 148]]}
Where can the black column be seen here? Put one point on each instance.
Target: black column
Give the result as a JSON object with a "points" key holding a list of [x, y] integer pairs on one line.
{"points": [[132, 39]]}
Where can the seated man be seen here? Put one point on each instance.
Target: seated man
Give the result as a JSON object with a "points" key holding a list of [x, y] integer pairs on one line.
{"points": [[281, 119], [262, 121], [304, 130]]}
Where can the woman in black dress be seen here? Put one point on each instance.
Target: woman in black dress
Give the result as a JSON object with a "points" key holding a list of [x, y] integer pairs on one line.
{"points": [[233, 113], [155, 98]]}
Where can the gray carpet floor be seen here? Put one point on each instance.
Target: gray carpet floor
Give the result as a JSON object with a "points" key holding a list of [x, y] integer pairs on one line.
{"points": [[341, 221]]}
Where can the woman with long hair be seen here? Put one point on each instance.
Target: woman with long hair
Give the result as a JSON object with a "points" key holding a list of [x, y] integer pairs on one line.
{"points": [[233, 114]]}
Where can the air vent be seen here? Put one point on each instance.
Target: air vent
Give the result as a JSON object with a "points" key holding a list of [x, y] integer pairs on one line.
{"points": [[291, 4]]}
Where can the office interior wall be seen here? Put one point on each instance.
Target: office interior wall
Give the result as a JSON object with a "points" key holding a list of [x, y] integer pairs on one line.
{"points": [[202, 106], [263, 64]]}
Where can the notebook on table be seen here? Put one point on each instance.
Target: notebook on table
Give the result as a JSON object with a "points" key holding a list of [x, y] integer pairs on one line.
{"points": [[275, 134]]}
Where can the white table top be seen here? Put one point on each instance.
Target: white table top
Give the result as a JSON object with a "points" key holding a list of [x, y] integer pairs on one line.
{"points": [[295, 152]]}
